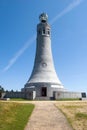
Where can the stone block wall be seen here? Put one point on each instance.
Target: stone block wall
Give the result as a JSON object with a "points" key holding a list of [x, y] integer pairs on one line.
{"points": [[67, 94], [14, 95]]}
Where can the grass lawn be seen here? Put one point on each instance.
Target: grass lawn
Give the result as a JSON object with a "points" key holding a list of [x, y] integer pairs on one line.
{"points": [[18, 99], [75, 112], [14, 116], [68, 99]]}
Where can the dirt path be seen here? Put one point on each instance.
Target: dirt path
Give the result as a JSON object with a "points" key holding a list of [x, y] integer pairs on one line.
{"points": [[47, 117]]}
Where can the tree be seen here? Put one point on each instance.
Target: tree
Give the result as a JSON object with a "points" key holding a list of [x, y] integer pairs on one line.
{"points": [[1, 90]]}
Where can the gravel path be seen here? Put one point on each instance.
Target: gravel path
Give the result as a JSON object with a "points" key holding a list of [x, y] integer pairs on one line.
{"points": [[47, 117]]}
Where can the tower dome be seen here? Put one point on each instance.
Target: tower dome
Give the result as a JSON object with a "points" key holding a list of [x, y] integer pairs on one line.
{"points": [[43, 17]]}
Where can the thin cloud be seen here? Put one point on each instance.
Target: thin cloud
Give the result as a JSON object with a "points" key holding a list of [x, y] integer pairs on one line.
{"points": [[71, 6], [19, 53]]}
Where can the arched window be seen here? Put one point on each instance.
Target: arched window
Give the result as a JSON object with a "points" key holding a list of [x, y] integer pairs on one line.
{"points": [[48, 32], [43, 30]]}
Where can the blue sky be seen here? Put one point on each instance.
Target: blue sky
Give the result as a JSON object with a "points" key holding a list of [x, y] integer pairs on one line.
{"points": [[18, 21]]}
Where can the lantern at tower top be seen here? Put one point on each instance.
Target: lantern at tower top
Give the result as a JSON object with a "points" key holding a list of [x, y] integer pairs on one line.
{"points": [[43, 17]]}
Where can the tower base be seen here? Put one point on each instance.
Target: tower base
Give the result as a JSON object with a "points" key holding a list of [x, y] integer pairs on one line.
{"points": [[43, 91]]}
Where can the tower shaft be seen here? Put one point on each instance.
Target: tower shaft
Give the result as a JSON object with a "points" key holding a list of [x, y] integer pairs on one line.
{"points": [[43, 70]]}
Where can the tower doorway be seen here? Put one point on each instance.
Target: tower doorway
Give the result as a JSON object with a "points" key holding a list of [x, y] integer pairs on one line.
{"points": [[44, 91]]}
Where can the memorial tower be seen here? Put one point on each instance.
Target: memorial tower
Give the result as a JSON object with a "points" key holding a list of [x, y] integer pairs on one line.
{"points": [[43, 80]]}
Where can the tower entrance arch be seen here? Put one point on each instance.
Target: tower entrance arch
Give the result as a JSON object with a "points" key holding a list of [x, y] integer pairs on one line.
{"points": [[44, 91]]}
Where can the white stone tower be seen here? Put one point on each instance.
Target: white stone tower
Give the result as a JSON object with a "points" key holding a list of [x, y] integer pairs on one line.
{"points": [[43, 79]]}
